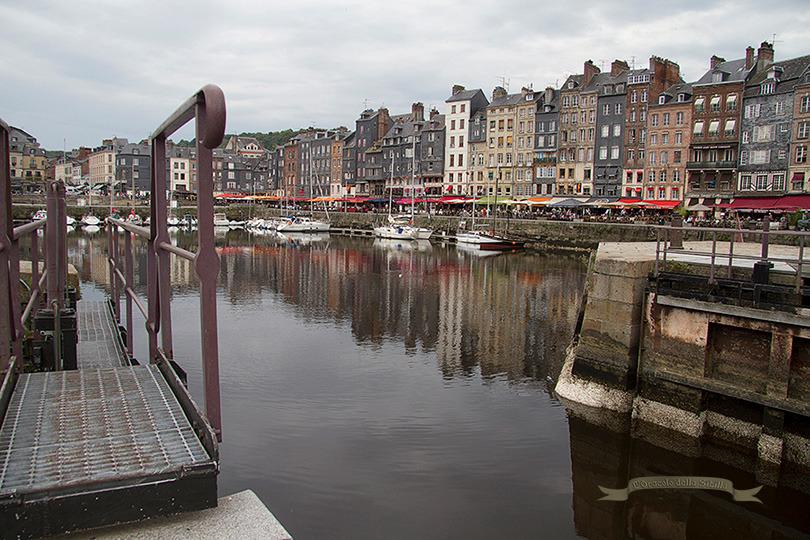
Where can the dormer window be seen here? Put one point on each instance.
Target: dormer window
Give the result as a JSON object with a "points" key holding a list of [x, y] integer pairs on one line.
{"points": [[570, 84], [768, 87], [681, 97], [662, 99], [529, 97], [717, 76]]}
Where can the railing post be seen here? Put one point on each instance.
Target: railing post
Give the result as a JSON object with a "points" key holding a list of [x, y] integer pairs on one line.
{"points": [[207, 260], [7, 310], [130, 282], [152, 286]]}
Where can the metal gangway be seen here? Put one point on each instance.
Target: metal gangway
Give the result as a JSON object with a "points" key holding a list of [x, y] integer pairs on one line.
{"points": [[95, 438]]}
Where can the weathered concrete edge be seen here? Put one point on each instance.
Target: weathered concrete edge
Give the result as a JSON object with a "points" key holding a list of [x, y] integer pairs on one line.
{"points": [[590, 393], [241, 516]]}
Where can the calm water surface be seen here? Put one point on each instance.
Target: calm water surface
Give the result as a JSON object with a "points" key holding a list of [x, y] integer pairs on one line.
{"points": [[385, 390]]}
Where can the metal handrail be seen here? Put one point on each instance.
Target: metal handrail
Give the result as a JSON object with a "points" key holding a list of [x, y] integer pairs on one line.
{"points": [[665, 248], [51, 283], [207, 106]]}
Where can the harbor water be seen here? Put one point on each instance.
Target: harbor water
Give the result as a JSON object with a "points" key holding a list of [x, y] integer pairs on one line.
{"points": [[400, 390]]}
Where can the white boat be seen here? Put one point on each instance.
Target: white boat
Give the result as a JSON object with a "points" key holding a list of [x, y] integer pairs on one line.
{"points": [[394, 231], [173, 221], [90, 221], [134, 218], [488, 240], [39, 215], [221, 220], [302, 224]]}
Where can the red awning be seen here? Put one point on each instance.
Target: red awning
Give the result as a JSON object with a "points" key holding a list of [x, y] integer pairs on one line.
{"points": [[753, 203], [663, 204], [793, 202]]}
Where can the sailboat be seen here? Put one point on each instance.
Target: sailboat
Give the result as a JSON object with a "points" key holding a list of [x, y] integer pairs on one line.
{"points": [[486, 239], [304, 224], [394, 229]]}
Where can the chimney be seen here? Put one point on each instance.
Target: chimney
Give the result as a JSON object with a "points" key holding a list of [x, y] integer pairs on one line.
{"points": [[617, 67], [418, 112], [549, 95], [716, 61], [749, 58], [590, 71], [499, 91], [434, 112], [457, 88], [764, 56]]}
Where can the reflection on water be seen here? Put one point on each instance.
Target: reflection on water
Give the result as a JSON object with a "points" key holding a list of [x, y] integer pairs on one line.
{"points": [[403, 390]]}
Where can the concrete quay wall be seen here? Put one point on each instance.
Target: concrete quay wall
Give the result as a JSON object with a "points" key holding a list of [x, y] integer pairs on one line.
{"points": [[709, 371]]}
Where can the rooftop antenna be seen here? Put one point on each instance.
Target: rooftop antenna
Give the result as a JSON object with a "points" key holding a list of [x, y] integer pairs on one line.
{"points": [[504, 82], [774, 41], [365, 103], [632, 62]]}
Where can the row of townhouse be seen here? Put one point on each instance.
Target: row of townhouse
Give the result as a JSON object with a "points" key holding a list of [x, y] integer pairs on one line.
{"points": [[740, 130]]}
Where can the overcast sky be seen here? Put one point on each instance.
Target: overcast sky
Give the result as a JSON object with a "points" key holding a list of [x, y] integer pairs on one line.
{"points": [[76, 72]]}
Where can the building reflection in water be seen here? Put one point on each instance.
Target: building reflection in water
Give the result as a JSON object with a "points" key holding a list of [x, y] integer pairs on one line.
{"points": [[507, 314]]}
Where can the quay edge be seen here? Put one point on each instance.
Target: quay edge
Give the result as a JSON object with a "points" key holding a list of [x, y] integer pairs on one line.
{"points": [[693, 371]]}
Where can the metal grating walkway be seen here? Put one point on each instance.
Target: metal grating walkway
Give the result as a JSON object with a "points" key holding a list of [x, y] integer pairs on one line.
{"points": [[98, 346], [65, 429], [104, 444]]}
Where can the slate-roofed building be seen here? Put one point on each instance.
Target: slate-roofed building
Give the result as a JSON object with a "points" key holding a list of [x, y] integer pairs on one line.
{"points": [[504, 139], [799, 167], [27, 160], [670, 121], [609, 136], [546, 122], [644, 86], [716, 113], [133, 167], [477, 152], [767, 122], [411, 154], [460, 107], [577, 111]]}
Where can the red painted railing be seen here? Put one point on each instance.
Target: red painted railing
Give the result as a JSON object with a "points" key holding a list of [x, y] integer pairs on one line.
{"points": [[208, 108]]}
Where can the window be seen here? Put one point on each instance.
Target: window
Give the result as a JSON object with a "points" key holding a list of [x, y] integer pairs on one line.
{"points": [[801, 154], [634, 97], [453, 123], [760, 157], [618, 108], [665, 138], [662, 192], [614, 152], [679, 119], [715, 104], [652, 158], [762, 181], [666, 119], [752, 111], [676, 194], [453, 109], [653, 139], [605, 130], [778, 182], [606, 109], [700, 105], [463, 107], [654, 120], [768, 87], [662, 99], [714, 128], [664, 158], [804, 130], [676, 177], [603, 152], [804, 104], [731, 102], [763, 133], [729, 131], [676, 156], [617, 130], [698, 131], [745, 181], [746, 137], [644, 93], [779, 107]]}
